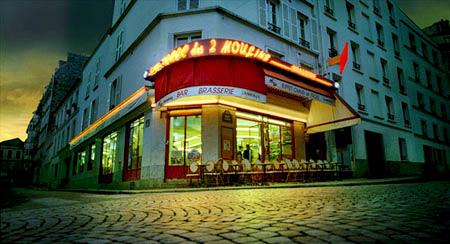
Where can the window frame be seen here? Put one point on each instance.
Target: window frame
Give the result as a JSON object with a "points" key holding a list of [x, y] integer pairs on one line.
{"points": [[189, 36], [169, 150]]}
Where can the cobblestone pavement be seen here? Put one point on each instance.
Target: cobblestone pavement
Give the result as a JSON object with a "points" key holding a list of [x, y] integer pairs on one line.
{"points": [[418, 212]]}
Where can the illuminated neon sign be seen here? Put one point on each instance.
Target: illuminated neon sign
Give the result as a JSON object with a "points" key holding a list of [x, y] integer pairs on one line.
{"points": [[224, 47]]}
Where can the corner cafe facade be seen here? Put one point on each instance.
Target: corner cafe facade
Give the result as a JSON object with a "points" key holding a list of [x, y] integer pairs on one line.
{"points": [[221, 98], [208, 100]]}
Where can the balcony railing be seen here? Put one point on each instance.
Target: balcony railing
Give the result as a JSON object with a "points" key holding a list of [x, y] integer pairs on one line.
{"points": [[304, 43], [329, 10], [332, 52], [381, 43], [361, 107], [391, 116], [356, 66], [274, 28], [351, 24]]}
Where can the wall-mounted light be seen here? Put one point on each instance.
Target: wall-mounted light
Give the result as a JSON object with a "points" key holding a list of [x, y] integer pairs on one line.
{"points": [[336, 85]]}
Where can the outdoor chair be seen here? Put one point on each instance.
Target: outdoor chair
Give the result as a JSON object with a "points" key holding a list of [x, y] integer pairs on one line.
{"points": [[247, 171], [193, 173], [290, 170], [298, 168], [227, 171], [329, 170], [212, 172], [274, 170], [320, 169], [258, 172], [313, 170], [304, 167]]}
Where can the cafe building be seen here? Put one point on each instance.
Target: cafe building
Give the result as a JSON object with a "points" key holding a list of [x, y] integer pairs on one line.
{"points": [[210, 100]]}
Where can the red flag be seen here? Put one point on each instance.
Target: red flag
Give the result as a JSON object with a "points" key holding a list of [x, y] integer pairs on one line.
{"points": [[343, 58]]}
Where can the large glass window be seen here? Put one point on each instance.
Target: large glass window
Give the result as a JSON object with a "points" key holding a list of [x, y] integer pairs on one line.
{"points": [[253, 130], [81, 161], [248, 138], [136, 134], [185, 140], [109, 153], [91, 156]]}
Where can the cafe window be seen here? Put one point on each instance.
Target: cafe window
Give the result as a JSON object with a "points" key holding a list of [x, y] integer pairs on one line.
{"points": [[253, 130], [81, 161], [185, 140], [91, 156], [135, 136], [109, 153]]}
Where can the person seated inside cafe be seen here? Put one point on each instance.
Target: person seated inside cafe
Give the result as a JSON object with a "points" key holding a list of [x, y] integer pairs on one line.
{"points": [[239, 154]]}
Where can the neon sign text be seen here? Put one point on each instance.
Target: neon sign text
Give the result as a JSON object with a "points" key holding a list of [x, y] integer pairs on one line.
{"points": [[210, 47], [225, 47]]}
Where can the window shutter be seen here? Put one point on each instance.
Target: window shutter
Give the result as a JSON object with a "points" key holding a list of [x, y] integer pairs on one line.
{"points": [[314, 39], [118, 89], [286, 20], [262, 13], [294, 26]]}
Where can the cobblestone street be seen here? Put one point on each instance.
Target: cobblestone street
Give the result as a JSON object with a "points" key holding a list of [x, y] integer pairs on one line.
{"points": [[416, 212]]}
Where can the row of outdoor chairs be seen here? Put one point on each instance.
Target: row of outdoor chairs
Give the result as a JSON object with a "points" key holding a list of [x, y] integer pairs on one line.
{"points": [[232, 171]]}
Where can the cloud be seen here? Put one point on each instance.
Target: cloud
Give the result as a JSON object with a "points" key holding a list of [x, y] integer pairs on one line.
{"points": [[23, 76]]}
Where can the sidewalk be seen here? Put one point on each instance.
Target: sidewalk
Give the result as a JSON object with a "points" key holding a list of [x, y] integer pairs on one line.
{"points": [[347, 182]]}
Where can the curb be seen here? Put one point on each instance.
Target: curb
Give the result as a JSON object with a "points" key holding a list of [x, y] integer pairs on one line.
{"points": [[275, 186]]}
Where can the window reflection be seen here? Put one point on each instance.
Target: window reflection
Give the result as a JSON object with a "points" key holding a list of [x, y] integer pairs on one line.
{"points": [[81, 161], [253, 131], [248, 139], [109, 153], [136, 134], [185, 143]]}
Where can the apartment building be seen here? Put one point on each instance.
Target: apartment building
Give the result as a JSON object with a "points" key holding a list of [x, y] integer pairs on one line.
{"points": [[39, 144], [264, 78]]}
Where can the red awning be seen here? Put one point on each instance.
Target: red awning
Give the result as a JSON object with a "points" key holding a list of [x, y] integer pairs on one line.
{"points": [[210, 71]]}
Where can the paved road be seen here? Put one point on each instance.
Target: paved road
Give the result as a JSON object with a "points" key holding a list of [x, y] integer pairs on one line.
{"points": [[375, 213]]}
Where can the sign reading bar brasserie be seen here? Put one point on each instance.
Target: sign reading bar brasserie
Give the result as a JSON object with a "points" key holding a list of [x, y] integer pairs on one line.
{"points": [[211, 90], [295, 90]]}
